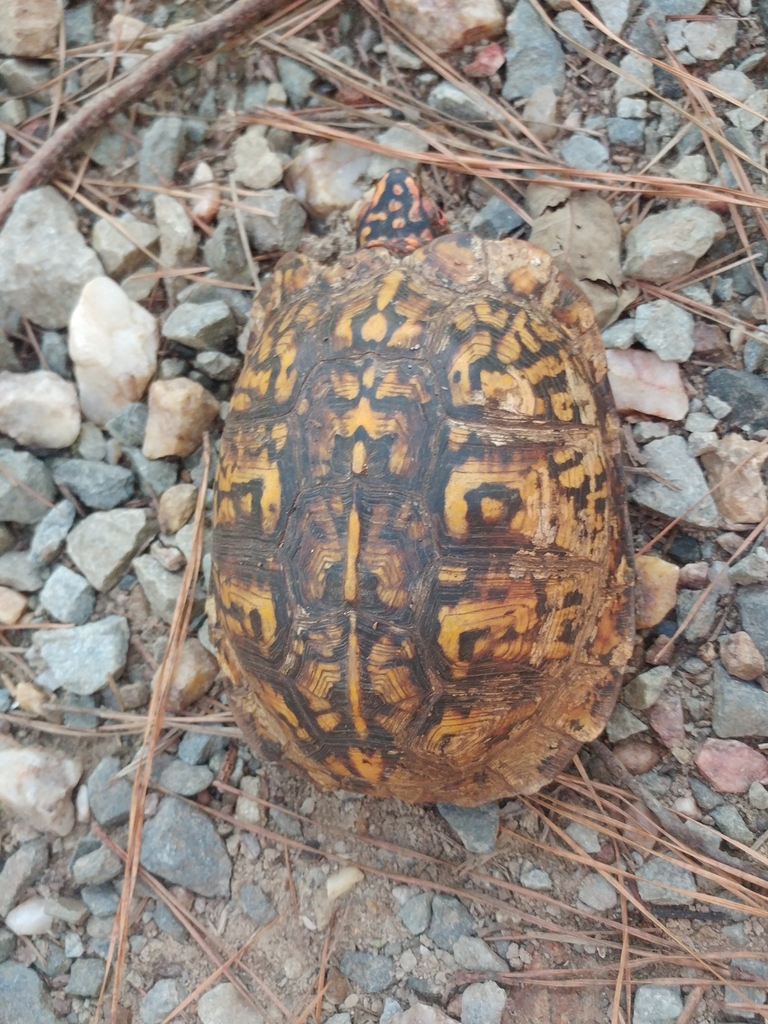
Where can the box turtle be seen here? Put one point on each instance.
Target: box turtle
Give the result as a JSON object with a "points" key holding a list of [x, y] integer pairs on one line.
{"points": [[422, 568]]}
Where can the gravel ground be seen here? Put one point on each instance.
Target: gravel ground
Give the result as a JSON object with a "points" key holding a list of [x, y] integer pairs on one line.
{"points": [[111, 374]]}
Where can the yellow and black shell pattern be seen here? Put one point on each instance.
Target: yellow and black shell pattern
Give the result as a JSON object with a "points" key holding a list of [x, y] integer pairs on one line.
{"points": [[422, 570]]}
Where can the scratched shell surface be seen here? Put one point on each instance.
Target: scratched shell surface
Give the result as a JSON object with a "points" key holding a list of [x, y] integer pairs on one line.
{"points": [[422, 571]]}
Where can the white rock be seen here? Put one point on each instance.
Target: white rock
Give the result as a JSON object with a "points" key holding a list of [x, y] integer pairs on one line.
{"points": [[342, 881], [708, 40], [113, 344], [324, 177], [39, 409], [37, 785], [180, 411], [207, 192], [30, 918], [641, 382], [256, 163], [449, 26], [44, 261]]}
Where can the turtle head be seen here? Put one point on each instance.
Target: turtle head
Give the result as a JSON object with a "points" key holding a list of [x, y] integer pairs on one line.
{"points": [[399, 216]]}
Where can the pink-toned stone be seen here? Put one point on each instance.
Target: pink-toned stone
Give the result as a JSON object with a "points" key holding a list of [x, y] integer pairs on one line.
{"points": [[655, 590], [487, 62], [638, 756], [694, 576], [37, 785], [12, 606], [742, 498], [641, 382], [39, 408], [739, 654], [730, 766], [194, 676], [180, 412], [449, 24], [666, 720]]}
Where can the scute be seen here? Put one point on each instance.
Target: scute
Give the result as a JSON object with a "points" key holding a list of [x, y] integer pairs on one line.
{"points": [[422, 564]]}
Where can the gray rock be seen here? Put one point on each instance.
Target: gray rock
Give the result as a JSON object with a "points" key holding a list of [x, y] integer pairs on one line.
{"points": [[626, 131], [122, 251], [668, 244], [753, 568], [476, 827], [54, 961], [55, 352], [109, 797], [257, 905], [7, 944], [644, 690], [186, 779], [84, 659], [23, 76], [91, 444], [705, 797], [161, 588], [416, 912], [473, 954], [182, 846], [585, 151], [483, 1003], [758, 796], [534, 56], [452, 101], [129, 425], [23, 1000], [167, 921], [102, 900], [587, 838], [371, 972], [160, 1000], [197, 747], [728, 820], [96, 867], [223, 1004], [80, 719], [665, 328], [103, 545], [669, 458], [657, 1004], [201, 325], [161, 151], [746, 394], [20, 870], [536, 879], [96, 484], [496, 219], [702, 622], [280, 232], [85, 977], [17, 505], [740, 709], [239, 302], [753, 606], [391, 1009], [67, 596], [572, 23], [297, 80], [657, 878], [223, 252], [114, 144], [78, 25], [598, 893], [44, 261], [450, 920], [285, 824], [155, 475], [18, 572], [217, 365]]}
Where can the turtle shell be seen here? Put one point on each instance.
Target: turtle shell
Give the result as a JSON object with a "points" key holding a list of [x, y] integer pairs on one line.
{"points": [[422, 568]]}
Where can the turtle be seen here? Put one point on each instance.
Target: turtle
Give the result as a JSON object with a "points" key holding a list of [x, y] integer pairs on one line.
{"points": [[422, 569]]}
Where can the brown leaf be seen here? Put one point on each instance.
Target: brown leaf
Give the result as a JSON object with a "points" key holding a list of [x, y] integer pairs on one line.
{"points": [[584, 238]]}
